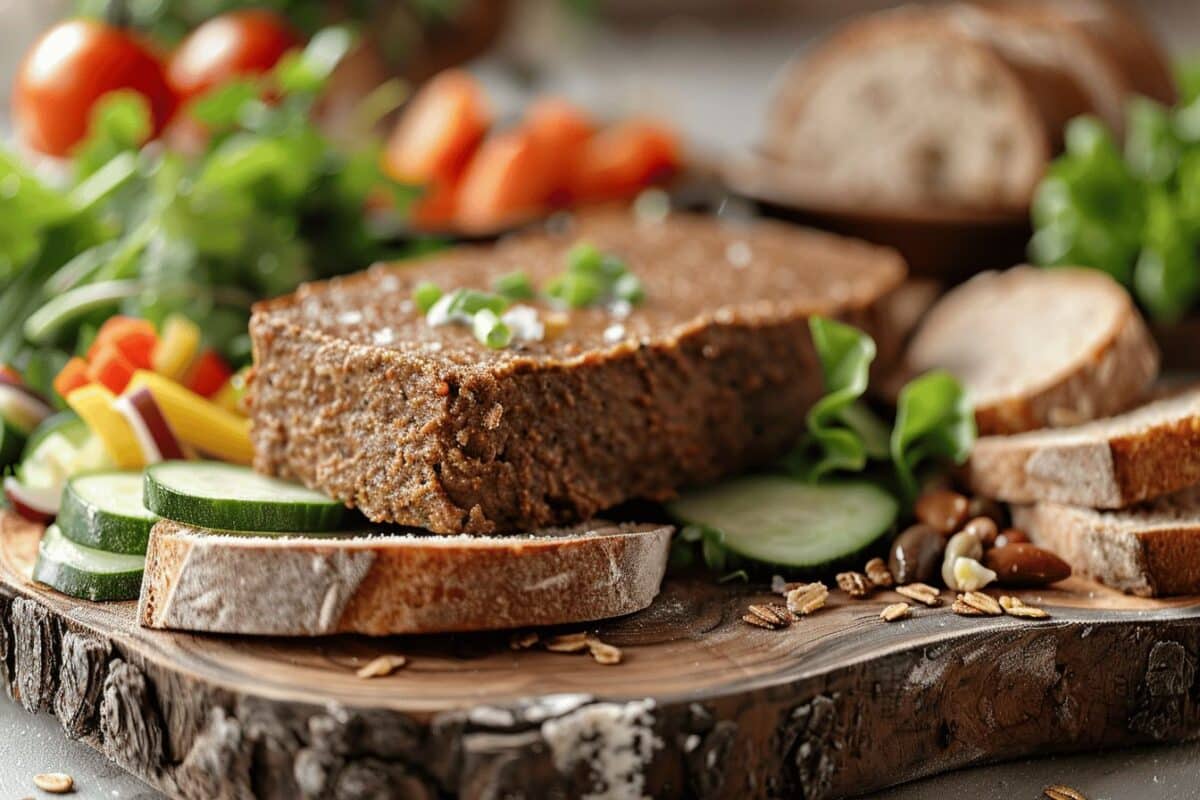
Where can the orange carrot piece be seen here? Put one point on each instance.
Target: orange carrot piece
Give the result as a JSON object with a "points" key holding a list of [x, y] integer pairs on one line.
{"points": [[434, 210], [110, 368], [439, 130], [115, 329], [621, 160], [73, 375], [561, 131], [208, 374], [507, 182]]}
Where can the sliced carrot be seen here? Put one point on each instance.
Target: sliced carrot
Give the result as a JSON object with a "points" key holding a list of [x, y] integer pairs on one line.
{"points": [[434, 210], [208, 374], [110, 368], [621, 160], [561, 130], [507, 182], [133, 337], [439, 130], [73, 375]]}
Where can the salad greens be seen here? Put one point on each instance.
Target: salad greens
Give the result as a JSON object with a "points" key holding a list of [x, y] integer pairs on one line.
{"points": [[1133, 212], [934, 426], [267, 202]]}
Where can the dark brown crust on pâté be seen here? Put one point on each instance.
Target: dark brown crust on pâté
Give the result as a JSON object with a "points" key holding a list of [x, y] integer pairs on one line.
{"points": [[510, 443]]}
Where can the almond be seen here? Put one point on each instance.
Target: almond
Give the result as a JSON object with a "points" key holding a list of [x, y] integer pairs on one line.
{"points": [[1025, 565]]}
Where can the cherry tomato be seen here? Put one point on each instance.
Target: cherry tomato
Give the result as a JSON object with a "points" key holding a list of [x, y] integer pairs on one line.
{"points": [[248, 42], [69, 68]]}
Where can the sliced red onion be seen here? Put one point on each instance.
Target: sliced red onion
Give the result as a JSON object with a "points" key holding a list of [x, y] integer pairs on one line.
{"points": [[22, 409], [154, 435], [35, 505]]}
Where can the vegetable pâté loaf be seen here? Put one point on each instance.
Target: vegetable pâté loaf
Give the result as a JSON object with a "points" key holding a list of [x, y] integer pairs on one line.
{"points": [[356, 394]]}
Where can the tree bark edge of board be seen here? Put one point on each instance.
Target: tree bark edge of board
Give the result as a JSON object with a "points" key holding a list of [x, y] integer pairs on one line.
{"points": [[994, 695]]}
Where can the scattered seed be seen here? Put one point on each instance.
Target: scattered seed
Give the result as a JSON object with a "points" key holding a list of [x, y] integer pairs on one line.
{"points": [[807, 598], [767, 613], [603, 652], [984, 602], [854, 584], [1026, 612], [381, 667], [895, 612], [523, 640], [54, 782], [964, 610], [759, 622], [921, 592], [1007, 601], [879, 574], [1060, 792], [567, 643]]}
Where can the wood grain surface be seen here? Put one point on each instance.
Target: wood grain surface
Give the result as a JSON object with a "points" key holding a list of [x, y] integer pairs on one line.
{"points": [[703, 705]]}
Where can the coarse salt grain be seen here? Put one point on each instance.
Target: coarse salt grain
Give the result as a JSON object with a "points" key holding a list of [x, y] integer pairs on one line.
{"points": [[738, 254], [383, 336], [614, 333], [349, 317]]}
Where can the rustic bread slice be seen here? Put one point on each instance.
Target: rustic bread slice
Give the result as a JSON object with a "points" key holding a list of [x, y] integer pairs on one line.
{"points": [[284, 585], [1150, 550], [1039, 348], [1110, 463], [900, 110]]}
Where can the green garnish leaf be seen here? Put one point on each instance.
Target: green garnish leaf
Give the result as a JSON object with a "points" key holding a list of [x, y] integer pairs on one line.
{"points": [[842, 432], [222, 107], [490, 330], [515, 286], [307, 70], [1166, 279], [425, 294], [120, 123], [576, 289], [629, 288], [472, 301], [934, 420]]}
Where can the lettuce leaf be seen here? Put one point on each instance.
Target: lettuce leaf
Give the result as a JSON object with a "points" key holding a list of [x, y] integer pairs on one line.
{"points": [[843, 433], [934, 420]]}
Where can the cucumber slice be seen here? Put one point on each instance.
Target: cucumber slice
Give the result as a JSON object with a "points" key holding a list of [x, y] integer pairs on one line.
{"points": [[12, 444], [104, 510], [790, 524], [66, 423], [85, 572], [211, 494]]}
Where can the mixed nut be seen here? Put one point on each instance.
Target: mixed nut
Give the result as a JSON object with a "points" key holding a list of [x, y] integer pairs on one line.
{"points": [[959, 542]]}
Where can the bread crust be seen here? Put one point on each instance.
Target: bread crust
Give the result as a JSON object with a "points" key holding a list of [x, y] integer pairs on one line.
{"points": [[1102, 381], [397, 584], [1147, 558], [1149, 452]]}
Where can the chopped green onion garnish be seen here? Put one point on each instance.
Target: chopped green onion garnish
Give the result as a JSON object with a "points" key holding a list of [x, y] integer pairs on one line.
{"points": [[629, 288], [515, 286], [489, 329], [471, 301], [585, 257], [576, 289], [425, 295]]}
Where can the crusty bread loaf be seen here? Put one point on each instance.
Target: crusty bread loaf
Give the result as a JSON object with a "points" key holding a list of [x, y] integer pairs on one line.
{"points": [[1116, 28], [1039, 348], [1109, 463], [1151, 550], [958, 105], [291, 586], [898, 109]]}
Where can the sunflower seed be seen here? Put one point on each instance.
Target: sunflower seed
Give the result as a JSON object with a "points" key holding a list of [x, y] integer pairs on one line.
{"points": [[1026, 612], [1060, 792], [807, 598], [54, 782], [604, 653], [878, 573], [921, 592], [567, 643], [985, 603], [381, 667], [896, 611]]}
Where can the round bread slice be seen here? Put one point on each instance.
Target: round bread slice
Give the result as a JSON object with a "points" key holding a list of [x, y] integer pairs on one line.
{"points": [[291, 585], [1038, 348], [1116, 462]]}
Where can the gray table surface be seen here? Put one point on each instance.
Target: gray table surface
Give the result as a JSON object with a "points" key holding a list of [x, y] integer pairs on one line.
{"points": [[712, 81]]}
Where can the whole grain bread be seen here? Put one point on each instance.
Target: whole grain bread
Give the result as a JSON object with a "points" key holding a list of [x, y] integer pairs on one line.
{"points": [[1151, 550], [1116, 462], [354, 393], [283, 585], [1039, 348]]}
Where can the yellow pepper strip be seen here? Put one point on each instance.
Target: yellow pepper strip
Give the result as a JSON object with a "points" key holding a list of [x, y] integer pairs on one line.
{"points": [[197, 421], [177, 347], [94, 405], [232, 396]]}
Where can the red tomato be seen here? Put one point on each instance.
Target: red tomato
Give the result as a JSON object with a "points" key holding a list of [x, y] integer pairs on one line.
{"points": [[239, 43], [69, 68]]}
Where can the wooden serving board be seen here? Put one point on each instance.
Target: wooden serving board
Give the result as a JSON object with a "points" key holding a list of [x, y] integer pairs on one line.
{"points": [[703, 706]]}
